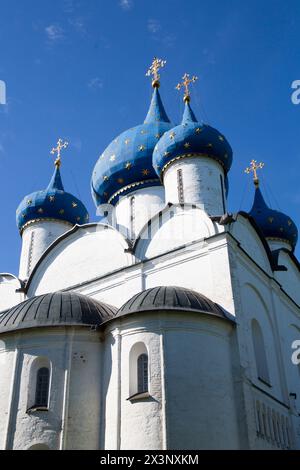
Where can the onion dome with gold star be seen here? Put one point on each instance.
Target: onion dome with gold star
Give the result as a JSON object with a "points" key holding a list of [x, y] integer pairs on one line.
{"points": [[275, 225], [126, 164], [52, 203], [191, 139]]}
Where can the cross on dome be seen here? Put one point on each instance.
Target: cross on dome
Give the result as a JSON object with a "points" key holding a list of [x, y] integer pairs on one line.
{"points": [[57, 150], [156, 65], [186, 83], [254, 166]]}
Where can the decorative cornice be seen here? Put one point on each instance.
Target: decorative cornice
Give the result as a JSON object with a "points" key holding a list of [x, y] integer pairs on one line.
{"points": [[278, 239], [191, 155], [132, 185], [46, 219]]}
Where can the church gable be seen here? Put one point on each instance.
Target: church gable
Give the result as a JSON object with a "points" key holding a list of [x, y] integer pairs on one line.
{"points": [[250, 241], [173, 227], [86, 253]]}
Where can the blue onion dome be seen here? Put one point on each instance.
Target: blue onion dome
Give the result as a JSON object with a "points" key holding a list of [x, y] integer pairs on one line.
{"points": [[52, 203], [126, 164], [191, 139], [274, 224]]}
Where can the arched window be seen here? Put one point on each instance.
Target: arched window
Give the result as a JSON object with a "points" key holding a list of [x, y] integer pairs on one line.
{"points": [[142, 373], [139, 370], [42, 387], [260, 353]]}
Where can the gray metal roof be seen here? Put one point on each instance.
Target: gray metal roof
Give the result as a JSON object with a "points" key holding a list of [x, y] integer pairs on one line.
{"points": [[171, 298], [55, 309]]}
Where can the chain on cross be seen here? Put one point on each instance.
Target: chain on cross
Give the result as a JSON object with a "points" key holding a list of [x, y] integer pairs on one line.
{"points": [[254, 166], [156, 65], [186, 83], [57, 150]]}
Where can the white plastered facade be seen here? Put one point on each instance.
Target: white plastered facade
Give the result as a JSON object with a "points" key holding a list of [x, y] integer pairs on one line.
{"points": [[204, 389]]}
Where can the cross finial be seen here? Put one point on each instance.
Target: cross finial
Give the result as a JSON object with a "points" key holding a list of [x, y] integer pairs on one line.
{"points": [[57, 150], [254, 166], [156, 65], [186, 82]]}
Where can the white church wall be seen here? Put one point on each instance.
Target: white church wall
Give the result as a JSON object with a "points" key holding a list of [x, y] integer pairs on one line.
{"points": [[175, 227], [198, 371], [36, 238], [110, 435], [83, 413], [8, 295], [7, 366], [289, 279], [88, 252], [277, 244], [288, 319], [243, 231], [256, 296], [74, 355], [200, 184], [134, 210], [203, 268], [166, 419]]}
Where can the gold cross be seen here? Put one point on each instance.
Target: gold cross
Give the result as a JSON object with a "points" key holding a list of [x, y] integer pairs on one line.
{"points": [[186, 82], [156, 65], [60, 145], [254, 166]]}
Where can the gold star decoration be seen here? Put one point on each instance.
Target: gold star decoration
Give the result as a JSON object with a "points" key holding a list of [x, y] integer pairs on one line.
{"points": [[120, 180], [187, 145], [209, 145], [143, 131], [51, 198], [186, 83], [142, 148], [57, 150], [105, 177], [289, 223], [156, 65], [270, 219], [172, 135], [221, 138], [254, 166], [157, 136], [74, 204], [29, 202], [166, 154], [40, 210], [145, 172], [62, 211], [126, 141], [198, 130], [112, 158], [128, 165]]}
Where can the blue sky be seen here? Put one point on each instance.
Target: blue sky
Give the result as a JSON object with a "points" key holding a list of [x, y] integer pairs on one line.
{"points": [[76, 69]]}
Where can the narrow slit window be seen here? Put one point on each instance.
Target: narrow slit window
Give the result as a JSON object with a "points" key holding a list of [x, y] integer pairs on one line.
{"points": [[142, 373], [42, 387], [180, 187], [132, 217]]}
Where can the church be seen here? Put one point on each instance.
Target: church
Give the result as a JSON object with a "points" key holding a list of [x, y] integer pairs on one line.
{"points": [[169, 323]]}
